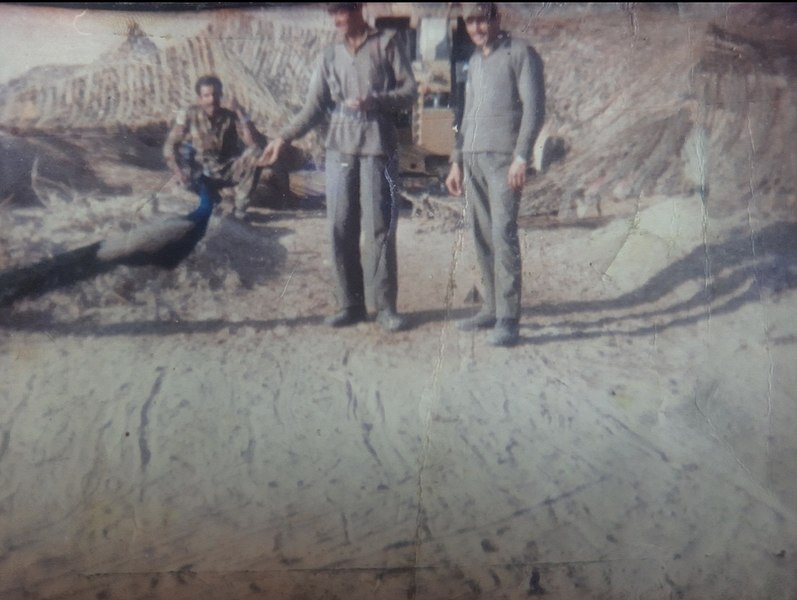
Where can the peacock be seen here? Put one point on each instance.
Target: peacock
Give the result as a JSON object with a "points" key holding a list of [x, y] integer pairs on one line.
{"points": [[164, 243]]}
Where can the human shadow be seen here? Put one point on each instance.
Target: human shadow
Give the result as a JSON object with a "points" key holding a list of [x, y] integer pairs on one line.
{"points": [[420, 318], [733, 273], [743, 269], [41, 322]]}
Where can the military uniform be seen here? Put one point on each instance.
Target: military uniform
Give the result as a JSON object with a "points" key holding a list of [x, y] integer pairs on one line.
{"points": [[212, 146]]}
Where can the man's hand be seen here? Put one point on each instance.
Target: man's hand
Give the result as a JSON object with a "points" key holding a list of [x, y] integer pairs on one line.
{"points": [[271, 153], [517, 175], [454, 180], [363, 103]]}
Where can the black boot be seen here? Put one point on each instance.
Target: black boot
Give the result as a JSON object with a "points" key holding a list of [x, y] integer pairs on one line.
{"points": [[348, 316]]}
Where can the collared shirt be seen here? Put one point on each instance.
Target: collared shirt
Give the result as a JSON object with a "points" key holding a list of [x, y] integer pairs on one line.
{"points": [[379, 69], [504, 101], [216, 140]]}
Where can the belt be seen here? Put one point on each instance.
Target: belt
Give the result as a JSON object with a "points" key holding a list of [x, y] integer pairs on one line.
{"points": [[356, 115]]}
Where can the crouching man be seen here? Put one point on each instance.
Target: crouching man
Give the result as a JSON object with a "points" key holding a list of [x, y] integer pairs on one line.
{"points": [[220, 144]]}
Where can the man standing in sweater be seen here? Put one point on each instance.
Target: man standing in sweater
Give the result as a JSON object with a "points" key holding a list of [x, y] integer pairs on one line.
{"points": [[504, 111], [361, 82]]}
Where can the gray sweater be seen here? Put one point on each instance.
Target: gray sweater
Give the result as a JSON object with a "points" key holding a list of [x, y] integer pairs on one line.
{"points": [[378, 69], [504, 101]]}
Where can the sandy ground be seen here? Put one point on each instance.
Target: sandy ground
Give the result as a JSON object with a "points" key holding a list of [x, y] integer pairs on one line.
{"points": [[223, 443], [199, 434]]}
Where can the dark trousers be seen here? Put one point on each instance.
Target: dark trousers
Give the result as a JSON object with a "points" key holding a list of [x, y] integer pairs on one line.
{"points": [[362, 203]]}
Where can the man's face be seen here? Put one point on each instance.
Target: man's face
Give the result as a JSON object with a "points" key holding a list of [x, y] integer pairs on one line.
{"points": [[482, 31], [348, 22], [209, 99]]}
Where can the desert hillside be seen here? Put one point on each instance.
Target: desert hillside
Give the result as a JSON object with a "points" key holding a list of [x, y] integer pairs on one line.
{"points": [[644, 103]]}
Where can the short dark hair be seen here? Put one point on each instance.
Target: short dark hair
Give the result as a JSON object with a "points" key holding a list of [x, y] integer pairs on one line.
{"points": [[333, 7], [209, 80]]}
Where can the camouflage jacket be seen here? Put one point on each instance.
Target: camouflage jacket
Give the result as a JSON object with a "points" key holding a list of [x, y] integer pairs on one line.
{"points": [[214, 142]]}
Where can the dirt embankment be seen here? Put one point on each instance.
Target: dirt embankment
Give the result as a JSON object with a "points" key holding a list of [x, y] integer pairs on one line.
{"points": [[652, 102], [648, 104]]}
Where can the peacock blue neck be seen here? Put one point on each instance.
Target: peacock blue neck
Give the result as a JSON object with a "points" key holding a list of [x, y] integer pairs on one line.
{"points": [[207, 194]]}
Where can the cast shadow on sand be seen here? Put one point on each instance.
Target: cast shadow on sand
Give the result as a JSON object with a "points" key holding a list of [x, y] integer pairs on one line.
{"points": [[728, 275], [39, 322], [145, 260], [744, 269]]}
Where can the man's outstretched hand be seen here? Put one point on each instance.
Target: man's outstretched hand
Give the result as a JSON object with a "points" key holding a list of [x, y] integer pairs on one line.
{"points": [[271, 153]]}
